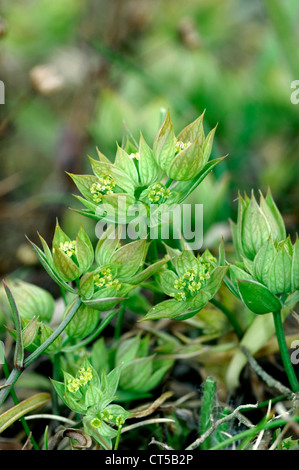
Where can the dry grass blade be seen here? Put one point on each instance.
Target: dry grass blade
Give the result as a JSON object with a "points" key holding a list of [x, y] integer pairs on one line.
{"points": [[141, 413]]}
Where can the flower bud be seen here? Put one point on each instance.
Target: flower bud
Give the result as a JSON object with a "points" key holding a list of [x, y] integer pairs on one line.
{"points": [[83, 323], [256, 222], [71, 257]]}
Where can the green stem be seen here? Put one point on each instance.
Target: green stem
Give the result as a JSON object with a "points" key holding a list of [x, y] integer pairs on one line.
{"points": [[117, 438], [54, 335], [168, 182], [16, 402], [284, 352], [16, 372], [230, 316]]}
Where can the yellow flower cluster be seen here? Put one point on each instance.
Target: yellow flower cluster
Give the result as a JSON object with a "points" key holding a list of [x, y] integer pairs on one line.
{"points": [[105, 185], [69, 248], [105, 279], [193, 280], [158, 193], [96, 422], [106, 416], [83, 377], [180, 145]]}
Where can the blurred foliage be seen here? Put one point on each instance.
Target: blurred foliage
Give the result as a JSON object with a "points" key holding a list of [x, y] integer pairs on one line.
{"points": [[76, 70]]}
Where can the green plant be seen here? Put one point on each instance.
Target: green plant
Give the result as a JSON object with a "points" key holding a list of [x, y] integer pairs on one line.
{"points": [[266, 277], [123, 271]]}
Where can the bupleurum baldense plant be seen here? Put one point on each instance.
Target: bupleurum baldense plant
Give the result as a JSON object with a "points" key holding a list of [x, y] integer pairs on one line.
{"points": [[100, 283]]}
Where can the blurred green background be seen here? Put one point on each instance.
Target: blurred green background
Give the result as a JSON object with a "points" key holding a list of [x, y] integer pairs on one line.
{"points": [[77, 72]]}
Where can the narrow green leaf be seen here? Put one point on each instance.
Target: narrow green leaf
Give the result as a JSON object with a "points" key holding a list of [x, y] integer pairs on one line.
{"points": [[26, 406], [19, 349], [84, 251]]}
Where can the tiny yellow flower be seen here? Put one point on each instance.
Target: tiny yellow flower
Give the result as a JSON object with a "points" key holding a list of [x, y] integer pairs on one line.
{"points": [[105, 185], [73, 385], [85, 375], [180, 296], [69, 248], [180, 145], [96, 422], [119, 421], [158, 193], [105, 279]]}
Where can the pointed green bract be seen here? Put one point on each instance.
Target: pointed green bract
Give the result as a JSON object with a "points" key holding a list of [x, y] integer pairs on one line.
{"points": [[187, 163], [148, 168], [255, 229], [107, 245], [185, 262], [166, 309], [31, 300], [87, 285], [263, 261], [164, 144], [193, 131], [167, 280], [83, 323], [236, 273], [258, 298], [280, 273], [84, 183], [125, 163], [295, 266], [120, 178], [65, 267], [273, 216], [130, 258], [207, 145], [185, 188]]}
